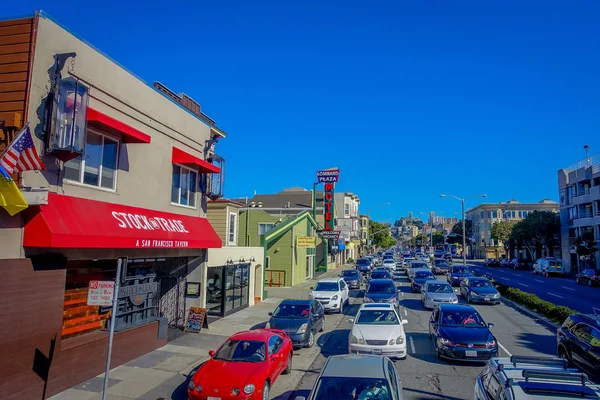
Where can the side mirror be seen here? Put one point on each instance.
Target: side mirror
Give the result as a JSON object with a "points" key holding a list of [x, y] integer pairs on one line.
{"points": [[211, 353], [490, 325], [404, 321], [311, 288], [351, 320], [276, 356], [270, 314]]}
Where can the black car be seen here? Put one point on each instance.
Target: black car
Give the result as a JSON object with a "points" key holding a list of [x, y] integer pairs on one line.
{"points": [[381, 291], [363, 265], [479, 290], [491, 262], [380, 274], [519, 263], [420, 278], [353, 278], [460, 333], [579, 342], [588, 277], [457, 274], [300, 319]]}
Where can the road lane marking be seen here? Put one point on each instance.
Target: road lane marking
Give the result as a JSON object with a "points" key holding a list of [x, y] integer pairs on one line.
{"points": [[504, 348], [512, 273], [504, 278], [568, 288], [412, 344], [555, 295], [539, 280], [522, 284]]}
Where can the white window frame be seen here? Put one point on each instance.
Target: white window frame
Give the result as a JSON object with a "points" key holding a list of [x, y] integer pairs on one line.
{"points": [[82, 164], [235, 234], [195, 206], [263, 223]]}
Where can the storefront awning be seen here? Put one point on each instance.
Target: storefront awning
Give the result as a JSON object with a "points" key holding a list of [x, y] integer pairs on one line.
{"points": [[73, 222], [189, 160], [108, 124]]}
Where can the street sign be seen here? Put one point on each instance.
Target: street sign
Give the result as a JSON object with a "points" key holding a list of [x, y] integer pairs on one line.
{"points": [[329, 235], [100, 293]]}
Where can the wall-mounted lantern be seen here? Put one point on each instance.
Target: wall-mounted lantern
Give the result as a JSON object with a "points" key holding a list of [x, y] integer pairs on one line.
{"points": [[213, 185]]}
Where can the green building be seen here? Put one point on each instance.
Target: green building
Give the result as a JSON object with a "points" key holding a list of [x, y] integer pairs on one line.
{"points": [[287, 262]]}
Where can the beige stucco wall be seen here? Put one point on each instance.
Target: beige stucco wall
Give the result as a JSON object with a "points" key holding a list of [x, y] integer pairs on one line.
{"points": [[219, 257], [144, 175]]}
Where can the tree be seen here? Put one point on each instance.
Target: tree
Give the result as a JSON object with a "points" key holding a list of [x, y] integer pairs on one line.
{"points": [[455, 235], [501, 232], [379, 234], [540, 228], [586, 246], [438, 238]]}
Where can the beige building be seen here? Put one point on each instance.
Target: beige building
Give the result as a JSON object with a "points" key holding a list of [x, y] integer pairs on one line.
{"points": [[485, 215], [129, 169]]}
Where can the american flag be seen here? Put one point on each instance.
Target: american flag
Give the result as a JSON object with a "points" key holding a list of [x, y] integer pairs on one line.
{"points": [[21, 155]]}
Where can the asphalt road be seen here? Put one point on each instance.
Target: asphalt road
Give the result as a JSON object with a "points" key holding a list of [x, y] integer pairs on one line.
{"points": [[423, 375], [557, 290]]}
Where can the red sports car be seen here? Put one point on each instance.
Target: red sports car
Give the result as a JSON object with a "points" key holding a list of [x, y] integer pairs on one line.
{"points": [[244, 367]]}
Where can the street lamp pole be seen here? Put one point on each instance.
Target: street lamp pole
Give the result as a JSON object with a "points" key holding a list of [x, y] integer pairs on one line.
{"points": [[369, 221], [464, 226]]}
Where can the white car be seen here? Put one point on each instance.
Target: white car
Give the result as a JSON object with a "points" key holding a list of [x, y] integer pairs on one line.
{"points": [[407, 261], [378, 329], [332, 293], [389, 264]]}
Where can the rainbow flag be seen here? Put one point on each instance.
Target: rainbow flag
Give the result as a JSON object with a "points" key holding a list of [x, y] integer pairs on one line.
{"points": [[11, 198]]}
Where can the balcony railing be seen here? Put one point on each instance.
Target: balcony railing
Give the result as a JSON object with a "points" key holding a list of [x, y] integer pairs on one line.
{"points": [[593, 161]]}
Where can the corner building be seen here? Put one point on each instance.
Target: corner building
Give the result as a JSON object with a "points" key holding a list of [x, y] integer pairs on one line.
{"points": [[130, 168]]}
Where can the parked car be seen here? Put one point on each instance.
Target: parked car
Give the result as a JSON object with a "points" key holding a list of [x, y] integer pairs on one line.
{"points": [[377, 329], [579, 342], [519, 263], [588, 277], [504, 263], [549, 266], [436, 292], [491, 262], [365, 376], [353, 278], [300, 319], [419, 279], [460, 333], [381, 291], [457, 274], [248, 363], [479, 290], [530, 377], [332, 293]]}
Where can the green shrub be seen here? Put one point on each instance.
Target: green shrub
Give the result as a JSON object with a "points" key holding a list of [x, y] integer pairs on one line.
{"points": [[350, 260]]}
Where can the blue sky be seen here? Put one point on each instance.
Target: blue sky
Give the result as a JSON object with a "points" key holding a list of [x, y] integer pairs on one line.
{"points": [[408, 98]]}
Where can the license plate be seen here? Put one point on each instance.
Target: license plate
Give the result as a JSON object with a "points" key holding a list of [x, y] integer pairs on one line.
{"points": [[471, 353], [213, 398], [487, 299], [376, 351]]}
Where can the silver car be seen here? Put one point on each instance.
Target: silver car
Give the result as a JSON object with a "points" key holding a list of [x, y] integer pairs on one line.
{"points": [[437, 292], [364, 376], [411, 271]]}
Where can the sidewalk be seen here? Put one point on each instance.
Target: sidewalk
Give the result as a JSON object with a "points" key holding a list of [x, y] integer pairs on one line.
{"points": [[164, 373]]}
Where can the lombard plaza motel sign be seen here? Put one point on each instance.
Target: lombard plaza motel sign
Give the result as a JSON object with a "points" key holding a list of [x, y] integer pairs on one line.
{"points": [[329, 178]]}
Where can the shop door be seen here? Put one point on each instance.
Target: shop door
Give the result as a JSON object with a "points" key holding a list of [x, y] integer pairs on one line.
{"points": [[236, 287], [171, 277]]}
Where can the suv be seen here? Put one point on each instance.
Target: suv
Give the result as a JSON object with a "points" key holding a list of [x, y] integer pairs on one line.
{"points": [[589, 277], [523, 377], [332, 293], [549, 265], [579, 342]]}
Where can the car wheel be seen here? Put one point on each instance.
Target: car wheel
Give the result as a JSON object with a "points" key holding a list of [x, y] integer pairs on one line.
{"points": [[311, 339], [265, 393], [438, 355], [288, 367]]}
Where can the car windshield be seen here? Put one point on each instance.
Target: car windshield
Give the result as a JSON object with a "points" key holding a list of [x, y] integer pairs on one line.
{"points": [[352, 272], [242, 351], [439, 288], [363, 261], [418, 265], [379, 275], [481, 284], [377, 317], [469, 319], [460, 270], [388, 261], [424, 274], [327, 287], [382, 287], [291, 311], [352, 388]]}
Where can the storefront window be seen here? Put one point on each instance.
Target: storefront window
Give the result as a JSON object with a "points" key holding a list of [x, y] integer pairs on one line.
{"points": [[227, 289]]}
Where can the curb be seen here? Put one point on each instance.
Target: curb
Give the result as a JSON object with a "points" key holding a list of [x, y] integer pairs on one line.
{"points": [[530, 313]]}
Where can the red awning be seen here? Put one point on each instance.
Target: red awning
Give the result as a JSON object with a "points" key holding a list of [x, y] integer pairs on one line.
{"points": [[73, 222], [181, 157], [109, 124]]}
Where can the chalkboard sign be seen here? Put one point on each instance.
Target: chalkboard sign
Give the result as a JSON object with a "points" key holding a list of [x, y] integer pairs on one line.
{"points": [[196, 320]]}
